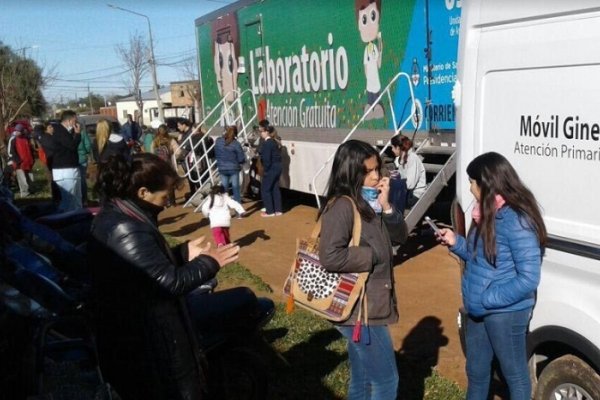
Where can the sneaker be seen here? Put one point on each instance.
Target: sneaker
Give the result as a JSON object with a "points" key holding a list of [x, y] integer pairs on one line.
{"points": [[264, 214], [263, 209], [278, 213]]}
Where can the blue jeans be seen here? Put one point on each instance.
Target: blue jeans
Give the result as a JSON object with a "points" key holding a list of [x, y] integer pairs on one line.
{"points": [[373, 370], [271, 194], [232, 177], [84, 187], [502, 335], [397, 196]]}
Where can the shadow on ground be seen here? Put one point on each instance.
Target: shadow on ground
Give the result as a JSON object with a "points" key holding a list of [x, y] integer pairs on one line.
{"points": [[419, 241], [308, 362], [251, 237], [189, 228], [418, 356], [173, 219]]}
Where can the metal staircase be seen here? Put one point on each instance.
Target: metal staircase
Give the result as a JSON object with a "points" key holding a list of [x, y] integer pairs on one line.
{"points": [[439, 160], [384, 93], [201, 168]]}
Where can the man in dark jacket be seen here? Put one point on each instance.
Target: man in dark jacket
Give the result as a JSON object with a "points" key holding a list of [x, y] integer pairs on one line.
{"points": [[65, 161], [195, 163], [130, 130]]}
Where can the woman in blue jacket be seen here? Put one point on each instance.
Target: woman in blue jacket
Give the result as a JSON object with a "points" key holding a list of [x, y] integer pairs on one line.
{"points": [[230, 157], [503, 254]]}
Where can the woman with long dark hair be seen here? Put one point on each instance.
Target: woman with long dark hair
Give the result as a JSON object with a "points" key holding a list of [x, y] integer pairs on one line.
{"points": [[503, 254], [230, 157], [356, 178], [270, 156], [146, 345], [410, 167]]}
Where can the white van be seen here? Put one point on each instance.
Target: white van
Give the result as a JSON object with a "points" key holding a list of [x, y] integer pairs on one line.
{"points": [[529, 88]]}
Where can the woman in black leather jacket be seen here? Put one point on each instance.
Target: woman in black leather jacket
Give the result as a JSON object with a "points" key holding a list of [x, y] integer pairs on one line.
{"points": [[146, 346]]}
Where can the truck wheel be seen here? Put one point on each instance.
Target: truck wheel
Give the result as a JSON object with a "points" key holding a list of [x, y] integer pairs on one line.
{"points": [[568, 377]]}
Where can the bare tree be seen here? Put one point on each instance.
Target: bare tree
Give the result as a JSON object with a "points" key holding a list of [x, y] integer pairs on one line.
{"points": [[135, 57], [190, 71]]}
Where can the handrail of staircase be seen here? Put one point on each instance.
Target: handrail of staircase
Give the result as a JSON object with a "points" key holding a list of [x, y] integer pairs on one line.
{"points": [[397, 128], [193, 170], [224, 108]]}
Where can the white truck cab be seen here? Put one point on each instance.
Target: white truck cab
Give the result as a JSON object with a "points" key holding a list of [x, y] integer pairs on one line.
{"points": [[529, 88]]}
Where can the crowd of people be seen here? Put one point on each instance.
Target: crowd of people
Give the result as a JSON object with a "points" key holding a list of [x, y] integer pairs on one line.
{"points": [[144, 338]]}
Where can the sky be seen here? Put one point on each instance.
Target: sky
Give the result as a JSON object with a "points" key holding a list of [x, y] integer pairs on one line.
{"points": [[78, 38]]}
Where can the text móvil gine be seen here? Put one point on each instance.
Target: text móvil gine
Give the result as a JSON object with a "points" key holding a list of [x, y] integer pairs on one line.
{"points": [[568, 128]]}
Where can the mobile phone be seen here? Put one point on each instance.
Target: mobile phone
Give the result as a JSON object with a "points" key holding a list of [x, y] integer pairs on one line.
{"points": [[433, 226]]}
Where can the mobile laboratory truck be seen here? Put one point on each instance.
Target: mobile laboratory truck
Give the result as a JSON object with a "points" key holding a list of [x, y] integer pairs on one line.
{"points": [[529, 88], [315, 68]]}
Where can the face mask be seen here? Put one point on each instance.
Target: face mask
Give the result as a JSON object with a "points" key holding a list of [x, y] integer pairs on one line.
{"points": [[370, 194]]}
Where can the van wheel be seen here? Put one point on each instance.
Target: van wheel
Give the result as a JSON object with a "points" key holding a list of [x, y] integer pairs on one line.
{"points": [[568, 377]]}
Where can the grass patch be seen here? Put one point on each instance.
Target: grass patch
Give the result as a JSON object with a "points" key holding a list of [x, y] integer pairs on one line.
{"points": [[237, 275], [316, 362]]}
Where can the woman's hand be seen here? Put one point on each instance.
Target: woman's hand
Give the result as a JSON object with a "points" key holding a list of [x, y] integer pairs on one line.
{"points": [[224, 254], [384, 193], [446, 237], [195, 248]]}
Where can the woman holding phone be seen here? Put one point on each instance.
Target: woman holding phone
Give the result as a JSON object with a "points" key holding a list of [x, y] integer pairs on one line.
{"points": [[503, 253], [356, 177]]}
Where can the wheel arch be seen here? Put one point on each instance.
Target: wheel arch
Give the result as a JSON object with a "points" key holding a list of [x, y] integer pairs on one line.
{"points": [[556, 341]]}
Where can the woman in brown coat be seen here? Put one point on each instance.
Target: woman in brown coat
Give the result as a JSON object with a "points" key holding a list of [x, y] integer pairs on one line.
{"points": [[356, 173]]}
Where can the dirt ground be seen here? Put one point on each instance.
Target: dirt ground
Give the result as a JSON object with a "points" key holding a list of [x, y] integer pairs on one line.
{"points": [[427, 283]]}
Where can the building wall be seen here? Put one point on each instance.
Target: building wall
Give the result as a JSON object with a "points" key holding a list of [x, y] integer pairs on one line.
{"points": [[110, 111], [180, 93]]}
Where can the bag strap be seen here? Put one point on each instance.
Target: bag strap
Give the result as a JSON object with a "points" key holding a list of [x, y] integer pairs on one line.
{"points": [[356, 226]]}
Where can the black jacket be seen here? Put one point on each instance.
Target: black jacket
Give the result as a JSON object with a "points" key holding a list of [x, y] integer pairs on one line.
{"points": [[113, 149], [65, 146], [146, 345], [48, 145]]}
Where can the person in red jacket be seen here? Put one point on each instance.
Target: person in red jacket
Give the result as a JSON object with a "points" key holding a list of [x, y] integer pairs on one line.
{"points": [[21, 158]]}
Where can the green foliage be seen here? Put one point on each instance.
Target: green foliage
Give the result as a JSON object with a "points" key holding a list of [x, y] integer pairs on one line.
{"points": [[21, 83]]}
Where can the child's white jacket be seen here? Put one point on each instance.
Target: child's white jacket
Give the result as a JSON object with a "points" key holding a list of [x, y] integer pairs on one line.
{"points": [[219, 214]]}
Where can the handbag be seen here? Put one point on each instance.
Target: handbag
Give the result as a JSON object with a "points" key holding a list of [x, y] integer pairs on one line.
{"points": [[330, 295]]}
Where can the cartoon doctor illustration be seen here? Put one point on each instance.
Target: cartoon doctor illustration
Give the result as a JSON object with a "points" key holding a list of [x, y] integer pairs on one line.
{"points": [[369, 15]]}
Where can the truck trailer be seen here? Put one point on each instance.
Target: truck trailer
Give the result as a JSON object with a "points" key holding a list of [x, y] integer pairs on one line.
{"points": [[325, 71]]}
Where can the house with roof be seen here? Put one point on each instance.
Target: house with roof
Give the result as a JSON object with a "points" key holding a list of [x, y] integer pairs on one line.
{"points": [[183, 106]]}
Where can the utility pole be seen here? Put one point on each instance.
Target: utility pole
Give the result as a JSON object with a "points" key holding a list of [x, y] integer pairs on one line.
{"points": [[90, 100], [152, 60]]}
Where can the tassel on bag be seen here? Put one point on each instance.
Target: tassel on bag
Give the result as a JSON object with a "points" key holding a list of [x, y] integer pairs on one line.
{"points": [[358, 326], [289, 305], [356, 332]]}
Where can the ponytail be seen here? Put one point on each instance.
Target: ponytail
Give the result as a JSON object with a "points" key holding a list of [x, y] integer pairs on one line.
{"points": [[216, 190]]}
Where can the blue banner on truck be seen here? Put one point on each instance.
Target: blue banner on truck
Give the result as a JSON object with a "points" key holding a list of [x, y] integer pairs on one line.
{"points": [[433, 80]]}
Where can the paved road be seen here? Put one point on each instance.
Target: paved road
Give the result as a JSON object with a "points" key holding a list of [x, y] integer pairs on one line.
{"points": [[427, 284]]}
